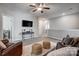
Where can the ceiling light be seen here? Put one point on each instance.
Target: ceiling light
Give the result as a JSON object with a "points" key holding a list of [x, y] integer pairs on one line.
{"points": [[39, 9]]}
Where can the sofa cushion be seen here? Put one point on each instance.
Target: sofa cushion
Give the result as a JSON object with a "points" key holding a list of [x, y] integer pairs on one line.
{"points": [[66, 51], [76, 42], [2, 44]]}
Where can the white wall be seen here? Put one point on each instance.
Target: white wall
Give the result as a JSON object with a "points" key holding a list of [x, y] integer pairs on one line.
{"points": [[14, 23], [7, 22], [65, 22], [1, 27], [59, 34], [61, 26], [43, 26], [18, 24]]}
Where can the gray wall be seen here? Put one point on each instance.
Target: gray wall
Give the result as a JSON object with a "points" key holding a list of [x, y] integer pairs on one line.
{"points": [[61, 26]]}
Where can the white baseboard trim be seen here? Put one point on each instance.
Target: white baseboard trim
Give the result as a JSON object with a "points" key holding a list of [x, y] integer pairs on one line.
{"points": [[54, 38]]}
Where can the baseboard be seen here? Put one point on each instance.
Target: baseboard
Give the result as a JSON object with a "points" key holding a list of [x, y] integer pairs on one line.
{"points": [[54, 38], [48, 37], [31, 38]]}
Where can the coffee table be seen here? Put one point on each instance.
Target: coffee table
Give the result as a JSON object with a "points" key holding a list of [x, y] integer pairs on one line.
{"points": [[28, 49]]}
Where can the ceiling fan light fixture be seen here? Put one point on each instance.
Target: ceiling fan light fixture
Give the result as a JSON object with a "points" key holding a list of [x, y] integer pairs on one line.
{"points": [[39, 9]]}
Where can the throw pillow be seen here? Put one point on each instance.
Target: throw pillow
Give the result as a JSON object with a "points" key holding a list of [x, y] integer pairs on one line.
{"points": [[77, 52], [5, 41], [67, 40], [76, 42], [59, 45], [2, 44]]}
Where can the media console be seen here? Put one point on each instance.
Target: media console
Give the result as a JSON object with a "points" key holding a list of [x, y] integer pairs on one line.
{"points": [[27, 35]]}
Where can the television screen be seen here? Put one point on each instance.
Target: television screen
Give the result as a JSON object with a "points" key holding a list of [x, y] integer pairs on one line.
{"points": [[26, 23]]}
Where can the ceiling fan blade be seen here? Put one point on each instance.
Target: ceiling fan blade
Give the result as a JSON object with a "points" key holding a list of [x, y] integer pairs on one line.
{"points": [[46, 8], [34, 10], [32, 6]]}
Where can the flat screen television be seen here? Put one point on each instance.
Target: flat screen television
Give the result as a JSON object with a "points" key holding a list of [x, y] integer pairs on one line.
{"points": [[26, 23]]}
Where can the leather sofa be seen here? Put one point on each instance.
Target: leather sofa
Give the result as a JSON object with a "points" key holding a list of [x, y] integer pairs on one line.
{"points": [[13, 49]]}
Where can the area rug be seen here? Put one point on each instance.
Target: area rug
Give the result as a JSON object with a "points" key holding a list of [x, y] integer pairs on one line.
{"points": [[27, 49]]}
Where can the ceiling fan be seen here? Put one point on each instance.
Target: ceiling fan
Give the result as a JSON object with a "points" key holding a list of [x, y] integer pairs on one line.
{"points": [[39, 7]]}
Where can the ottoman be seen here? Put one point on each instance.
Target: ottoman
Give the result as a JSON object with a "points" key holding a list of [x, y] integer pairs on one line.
{"points": [[46, 44], [36, 49]]}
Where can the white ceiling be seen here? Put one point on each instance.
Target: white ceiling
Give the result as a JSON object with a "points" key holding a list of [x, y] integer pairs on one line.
{"points": [[55, 9]]}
